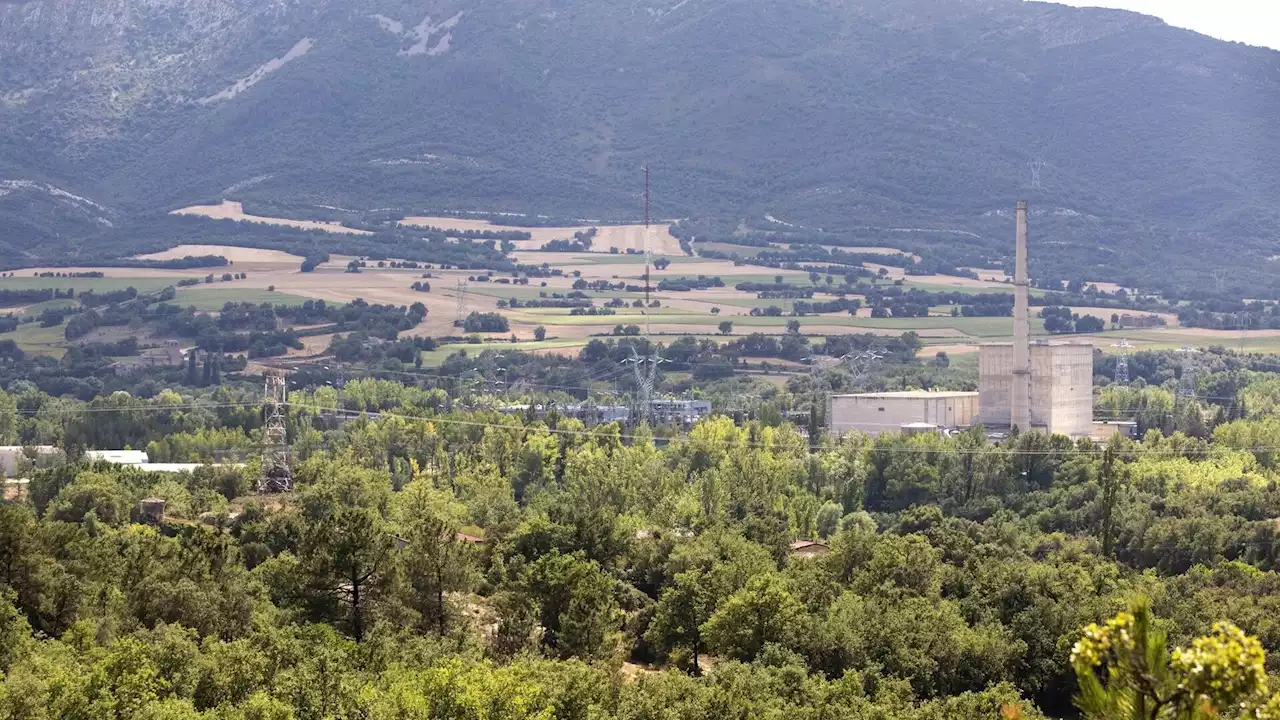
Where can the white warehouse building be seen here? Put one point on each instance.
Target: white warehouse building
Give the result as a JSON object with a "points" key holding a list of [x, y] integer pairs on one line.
{"points": [[875, 413], [1061, 387]]}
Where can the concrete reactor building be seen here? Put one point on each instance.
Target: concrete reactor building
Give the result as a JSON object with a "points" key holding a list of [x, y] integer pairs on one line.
{"points": [[1039, 385], [1061, 392], [1029, 385]]}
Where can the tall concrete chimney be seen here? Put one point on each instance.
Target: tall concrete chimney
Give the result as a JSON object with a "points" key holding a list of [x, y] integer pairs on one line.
{"points": [[1020, 402]]}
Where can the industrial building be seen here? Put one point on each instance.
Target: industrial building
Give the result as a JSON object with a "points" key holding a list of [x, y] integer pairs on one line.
{"points": [[1061, 387], [874, 413], [15, 457], [679, 412], [1036, 385], [1028, 385]]}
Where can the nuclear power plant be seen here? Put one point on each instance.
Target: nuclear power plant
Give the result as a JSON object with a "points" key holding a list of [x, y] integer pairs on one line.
{"points": [[1023, 384]]}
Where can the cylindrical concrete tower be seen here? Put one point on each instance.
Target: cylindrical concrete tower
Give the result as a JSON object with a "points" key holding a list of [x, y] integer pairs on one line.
{"points": [[1020, 402]]}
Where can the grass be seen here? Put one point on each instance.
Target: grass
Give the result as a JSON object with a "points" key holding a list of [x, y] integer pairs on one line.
{"points": [[61, 304], [522, 292], [38, 340], [741, 250], [141, 284], [210, 299], [441, 353]]}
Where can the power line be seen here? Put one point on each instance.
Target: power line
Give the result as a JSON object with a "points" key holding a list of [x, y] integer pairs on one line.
{"points": [[438, 420]]}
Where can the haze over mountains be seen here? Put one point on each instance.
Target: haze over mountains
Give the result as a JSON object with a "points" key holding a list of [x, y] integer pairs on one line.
{"points": [[1148, 151]]}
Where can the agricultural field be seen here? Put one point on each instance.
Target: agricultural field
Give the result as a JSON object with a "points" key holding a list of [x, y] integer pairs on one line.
{"points": [[23, 280], [621, 237], [213, 298], [231, 210], [274, 276]]}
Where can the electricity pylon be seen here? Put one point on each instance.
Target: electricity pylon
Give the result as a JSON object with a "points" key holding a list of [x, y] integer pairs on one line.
{"points": [[276, 476], [1122, 361]]}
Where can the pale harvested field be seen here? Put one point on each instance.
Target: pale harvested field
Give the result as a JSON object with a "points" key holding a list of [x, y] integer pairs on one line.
{"points": [[990, 275], [858, 249], [930, 350], [232, 210], [1225, 336], [896, 273], [244, 255], [312, 345], [1104, 286], [621, 237]]}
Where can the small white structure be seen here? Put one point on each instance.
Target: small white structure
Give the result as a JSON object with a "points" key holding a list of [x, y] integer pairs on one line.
{"points": [[875, 413], [12, 456], [1103, 430], [119, 457]]}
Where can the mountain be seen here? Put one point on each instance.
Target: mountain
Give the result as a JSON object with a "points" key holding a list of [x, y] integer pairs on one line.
{"points": [[1148, 152]]}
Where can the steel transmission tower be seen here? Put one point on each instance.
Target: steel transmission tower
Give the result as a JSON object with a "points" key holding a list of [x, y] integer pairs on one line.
{"points": [[1122, 361], [276, 474], [861, 364], [460, 293], [1187, 383], [645, 368]]}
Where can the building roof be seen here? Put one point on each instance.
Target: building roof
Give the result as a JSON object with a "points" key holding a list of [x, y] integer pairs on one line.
{"points": [[913, 394], [180, 467], [805, 545], [123, 457]]}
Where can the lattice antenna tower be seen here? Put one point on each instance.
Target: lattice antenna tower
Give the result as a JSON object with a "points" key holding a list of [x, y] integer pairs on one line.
{"points": [[1220, 276], [277, 476], [460, 294], [861, 364], [1037, 164], [645, 368], [1187, 383], [1122, 361]]}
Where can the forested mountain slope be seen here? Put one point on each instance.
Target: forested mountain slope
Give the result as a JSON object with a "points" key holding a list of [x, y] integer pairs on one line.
{"points": [[1130, 137]]}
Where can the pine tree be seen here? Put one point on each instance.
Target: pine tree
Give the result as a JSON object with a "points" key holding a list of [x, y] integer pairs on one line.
{"points": [[191, 367]]}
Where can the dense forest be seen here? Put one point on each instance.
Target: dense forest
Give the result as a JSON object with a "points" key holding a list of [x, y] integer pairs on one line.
{"points": [[437, 563]]}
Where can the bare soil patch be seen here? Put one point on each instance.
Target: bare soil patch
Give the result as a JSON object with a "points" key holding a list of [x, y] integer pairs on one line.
{"points": [[230, 252], [948, 349], [232, 210]]}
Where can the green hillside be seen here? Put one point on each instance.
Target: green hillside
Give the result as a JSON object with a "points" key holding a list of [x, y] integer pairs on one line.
{"points": [[1132, 140]]}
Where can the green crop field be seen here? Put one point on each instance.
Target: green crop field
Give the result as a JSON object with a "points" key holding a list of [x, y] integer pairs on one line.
{"points": [[141, 284], [741, 250], [62, 304], [438, 356], [38, 340], [207, 298]]}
